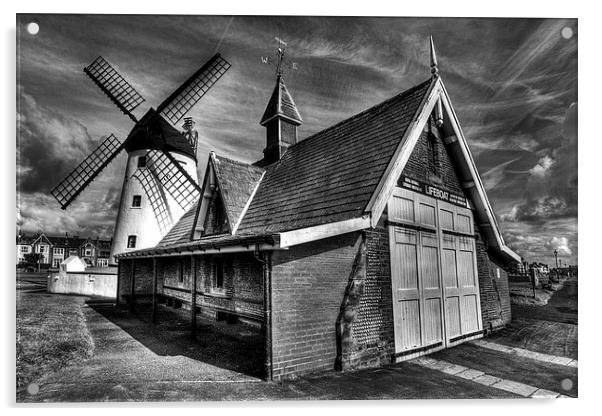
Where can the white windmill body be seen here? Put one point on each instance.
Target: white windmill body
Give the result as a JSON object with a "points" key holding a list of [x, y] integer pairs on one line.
{"points": [[161, 179], [137, 217]]}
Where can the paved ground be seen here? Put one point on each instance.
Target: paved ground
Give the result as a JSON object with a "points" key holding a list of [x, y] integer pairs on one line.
{"points": [[136, 361], [32, 281], [550, 329]]}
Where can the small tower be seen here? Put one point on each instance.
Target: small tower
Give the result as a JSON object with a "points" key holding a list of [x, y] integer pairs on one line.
{"points": [[280, 119]]}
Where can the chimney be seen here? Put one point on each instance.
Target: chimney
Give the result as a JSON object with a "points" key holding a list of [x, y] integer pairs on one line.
{"points": [[280, 119]]}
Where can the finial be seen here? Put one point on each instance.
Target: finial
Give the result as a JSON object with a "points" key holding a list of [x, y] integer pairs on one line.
{"points": [[434, 69]]}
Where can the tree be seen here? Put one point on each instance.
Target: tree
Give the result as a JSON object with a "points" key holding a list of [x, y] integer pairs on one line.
{"points": [[32, 259]]}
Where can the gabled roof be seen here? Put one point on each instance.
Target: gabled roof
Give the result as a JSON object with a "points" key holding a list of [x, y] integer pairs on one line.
{"points": [[281, 104], [331, 175], [237, 182], [182, 231], [66, 242], [41, 239], [340, 179]]}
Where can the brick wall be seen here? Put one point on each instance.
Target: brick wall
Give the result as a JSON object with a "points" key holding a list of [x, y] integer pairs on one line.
{"points": [[495, 297], [308, 286], [419, 165], [373, 337], [243, 283], [216, 221], [143, 278]]}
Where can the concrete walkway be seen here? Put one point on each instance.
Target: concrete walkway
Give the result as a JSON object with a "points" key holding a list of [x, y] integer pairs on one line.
{"points": [[137, 361]]}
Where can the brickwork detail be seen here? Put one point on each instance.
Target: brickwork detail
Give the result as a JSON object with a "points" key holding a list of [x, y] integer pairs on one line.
{"points": [[373, 338], [308, 286], [350, 307], [420, 164], [494, 291], [243, 285]]}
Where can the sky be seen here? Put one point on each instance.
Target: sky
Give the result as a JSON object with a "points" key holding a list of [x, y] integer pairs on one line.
{"points": [[513, 84]]}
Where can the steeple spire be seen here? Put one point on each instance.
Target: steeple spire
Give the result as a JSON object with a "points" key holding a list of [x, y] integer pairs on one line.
{"points": [[434, 69]]}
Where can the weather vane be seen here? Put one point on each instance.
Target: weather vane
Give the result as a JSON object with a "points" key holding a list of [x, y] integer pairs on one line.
{"points": [[279, 60]]}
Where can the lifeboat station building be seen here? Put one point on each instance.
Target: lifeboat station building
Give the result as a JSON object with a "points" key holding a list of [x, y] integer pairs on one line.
{"points": [[370, 242]]}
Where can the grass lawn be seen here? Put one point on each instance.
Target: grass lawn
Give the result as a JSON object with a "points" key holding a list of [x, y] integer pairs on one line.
{"points": [[51, 333]]}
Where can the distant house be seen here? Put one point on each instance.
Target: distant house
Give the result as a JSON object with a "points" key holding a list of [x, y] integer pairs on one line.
{"points": [[55, 249]]}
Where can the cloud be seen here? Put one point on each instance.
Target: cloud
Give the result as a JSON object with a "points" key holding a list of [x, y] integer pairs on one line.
{"points": [[542, 168], [49, 145], [560, 244], [539, 210]]}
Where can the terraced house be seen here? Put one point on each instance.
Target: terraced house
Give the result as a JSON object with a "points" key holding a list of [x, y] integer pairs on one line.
{"points": [[369, 242], [54, 249]]}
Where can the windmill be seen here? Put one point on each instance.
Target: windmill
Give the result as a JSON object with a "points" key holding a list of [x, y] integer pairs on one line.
{"points": [[161, 160]]}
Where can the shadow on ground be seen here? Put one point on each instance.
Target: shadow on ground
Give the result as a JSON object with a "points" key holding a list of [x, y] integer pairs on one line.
{"points": [[236, 347]]}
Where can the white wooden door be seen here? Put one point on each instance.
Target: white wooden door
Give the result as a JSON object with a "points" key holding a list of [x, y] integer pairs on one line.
{"points": [[417, 289], [433, 271], [458, 261]]}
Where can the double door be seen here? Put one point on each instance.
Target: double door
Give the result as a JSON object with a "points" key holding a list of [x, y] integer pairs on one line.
{"points": [[433, 270]]}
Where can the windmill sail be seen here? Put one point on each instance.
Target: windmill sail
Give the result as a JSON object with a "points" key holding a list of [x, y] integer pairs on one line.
{"points": [[70, 187], [156, 197], [114, 86], [179, 186], [190, 92]]}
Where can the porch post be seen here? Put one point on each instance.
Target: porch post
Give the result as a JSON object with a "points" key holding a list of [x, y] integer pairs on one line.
{"points": [[193, 279], [267, 314], [132, 287], [154, 310], [119, 269]]}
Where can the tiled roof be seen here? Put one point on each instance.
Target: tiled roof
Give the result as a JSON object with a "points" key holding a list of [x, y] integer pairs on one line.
{"points": [[331, 175], [327, 177], [205, 243], [236, 181], [181, 232], [281, 103]]}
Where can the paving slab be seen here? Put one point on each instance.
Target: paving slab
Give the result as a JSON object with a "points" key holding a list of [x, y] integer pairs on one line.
{"points": [[515, 387], [524, 352], [487, 380], [544, 375], [545, 394], [470, 374]]}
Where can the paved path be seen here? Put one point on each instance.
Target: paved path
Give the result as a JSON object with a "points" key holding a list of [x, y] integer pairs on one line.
{"points": [[137, 361]]}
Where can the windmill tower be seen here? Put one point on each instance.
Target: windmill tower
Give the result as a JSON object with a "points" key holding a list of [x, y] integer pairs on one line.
{"points": [[161, 181]]}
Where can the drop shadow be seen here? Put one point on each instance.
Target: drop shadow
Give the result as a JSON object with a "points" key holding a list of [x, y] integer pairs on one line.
{"points": [[237, 347]]}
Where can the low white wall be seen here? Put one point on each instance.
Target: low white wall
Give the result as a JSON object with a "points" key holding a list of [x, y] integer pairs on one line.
{"points": [[82, 283]]}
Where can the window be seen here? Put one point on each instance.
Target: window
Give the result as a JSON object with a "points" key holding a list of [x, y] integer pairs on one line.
{"points": [[142, 161], [59, 251], [88, 252], [131, 241], [136, 201], [41, 249], [218, 274], [102, 263], [56, 263], [24, 249]]}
